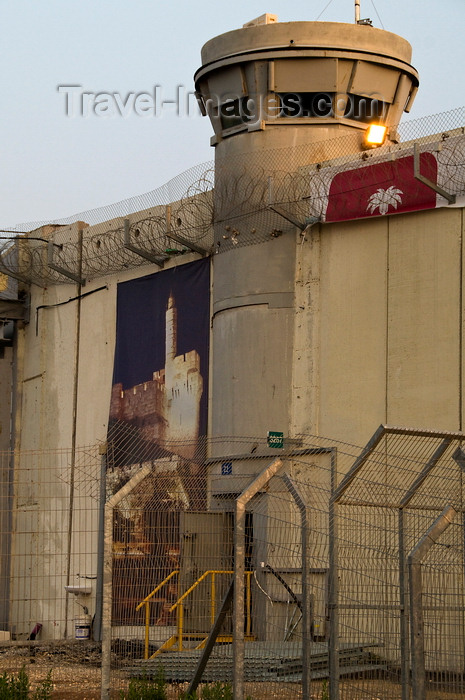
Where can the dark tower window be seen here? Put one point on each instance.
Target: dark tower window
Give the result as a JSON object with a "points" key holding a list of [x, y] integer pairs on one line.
{"points": [[306, 104], [235, 112], [321, 105], [364, 109]]}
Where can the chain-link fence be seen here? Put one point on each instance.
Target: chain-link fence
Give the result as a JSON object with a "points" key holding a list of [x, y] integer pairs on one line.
{"points": [[244, 200], [49, 513], [311, 569], [401, 569], [343, 554]]}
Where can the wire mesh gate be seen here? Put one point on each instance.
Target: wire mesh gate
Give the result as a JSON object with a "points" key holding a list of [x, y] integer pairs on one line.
{"points": [[401, 570], [332, 607], [351, 563]]}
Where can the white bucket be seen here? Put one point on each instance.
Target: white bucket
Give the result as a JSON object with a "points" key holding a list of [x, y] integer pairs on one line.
{"points": [[82, 627]]}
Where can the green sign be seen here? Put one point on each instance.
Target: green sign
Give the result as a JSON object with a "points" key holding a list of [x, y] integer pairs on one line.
{"points": [[275, 439]]}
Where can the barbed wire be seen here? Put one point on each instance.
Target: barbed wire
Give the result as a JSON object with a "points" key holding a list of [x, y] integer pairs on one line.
{"points": [[211, 208]]}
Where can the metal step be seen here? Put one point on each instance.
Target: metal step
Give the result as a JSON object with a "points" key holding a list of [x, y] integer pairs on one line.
{"points": [[264, 661]]}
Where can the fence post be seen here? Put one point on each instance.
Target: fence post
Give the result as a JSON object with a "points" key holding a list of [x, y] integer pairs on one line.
{"points": [[333, 594], [108, 577], [337, 491], [403, 573], [100, 544], [306, 604], [415, 559], [404, 617], [239, 572]]}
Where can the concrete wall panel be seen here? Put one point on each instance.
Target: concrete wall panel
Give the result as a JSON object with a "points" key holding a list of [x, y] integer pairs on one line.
{"points": [[424, 320], [252, 384], [49, 360], [96, 351], [353, 329], [255, 270], [5, 394]]}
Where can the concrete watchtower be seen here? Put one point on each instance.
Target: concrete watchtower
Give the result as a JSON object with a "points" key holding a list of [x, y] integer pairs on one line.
{"points": [[273, 85], [270, 89]]}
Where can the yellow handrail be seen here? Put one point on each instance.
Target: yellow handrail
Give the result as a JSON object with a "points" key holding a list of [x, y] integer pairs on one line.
{"points": [[180, 607], [194, 585], [155, 590], [146, 602]]}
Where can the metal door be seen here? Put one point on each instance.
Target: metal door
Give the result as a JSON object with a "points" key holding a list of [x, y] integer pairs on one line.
{"points": [[206, 545]]}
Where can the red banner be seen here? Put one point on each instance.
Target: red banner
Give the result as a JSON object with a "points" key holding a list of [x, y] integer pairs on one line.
{"points": [[384, 188]]}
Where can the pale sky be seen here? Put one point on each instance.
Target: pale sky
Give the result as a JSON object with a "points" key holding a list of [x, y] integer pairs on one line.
{"points": [[54, 165]]}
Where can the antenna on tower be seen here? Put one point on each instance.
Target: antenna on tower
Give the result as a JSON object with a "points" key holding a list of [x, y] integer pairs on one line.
{"points": [[367, 21]]}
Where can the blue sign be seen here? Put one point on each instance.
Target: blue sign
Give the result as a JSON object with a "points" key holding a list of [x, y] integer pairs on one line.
{"points": [[226, 468]]}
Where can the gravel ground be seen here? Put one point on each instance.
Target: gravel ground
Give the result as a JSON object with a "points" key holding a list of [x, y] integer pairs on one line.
{"points": [[75, 672], [75, 667]]}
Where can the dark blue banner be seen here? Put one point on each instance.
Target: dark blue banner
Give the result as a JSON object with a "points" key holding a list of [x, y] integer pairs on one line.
{"points": [[160, 379]]}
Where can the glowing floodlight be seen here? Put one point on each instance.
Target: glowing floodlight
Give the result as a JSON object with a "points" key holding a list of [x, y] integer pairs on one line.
{"points": [[375, 135]]}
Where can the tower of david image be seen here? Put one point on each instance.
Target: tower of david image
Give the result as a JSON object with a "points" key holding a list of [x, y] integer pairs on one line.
{"points": [[165, 409]]}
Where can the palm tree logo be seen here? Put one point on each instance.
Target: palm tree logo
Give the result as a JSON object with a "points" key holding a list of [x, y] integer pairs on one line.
{"points": [[383, 199]]}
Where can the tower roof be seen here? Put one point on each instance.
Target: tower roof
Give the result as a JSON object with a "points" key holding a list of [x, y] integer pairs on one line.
{"points": [[296, 36]]}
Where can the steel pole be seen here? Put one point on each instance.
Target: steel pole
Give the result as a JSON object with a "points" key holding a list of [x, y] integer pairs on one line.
{"points": [[108, 577], [306, 602], [404, 618], [239, 571], [415, 559], [97, 627]]}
